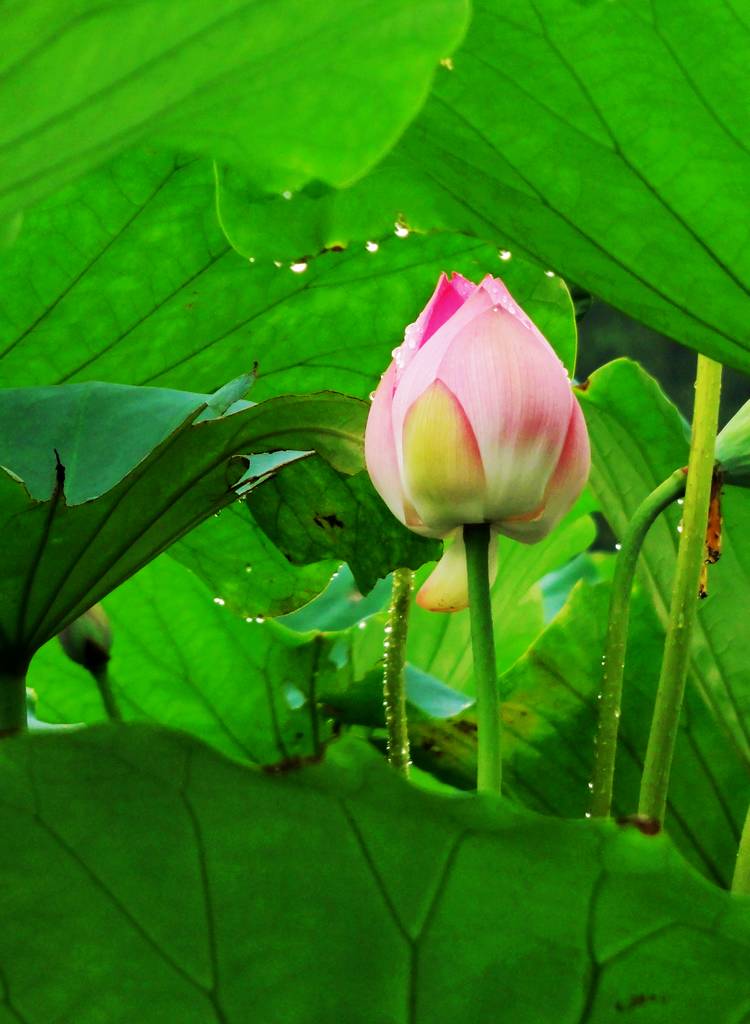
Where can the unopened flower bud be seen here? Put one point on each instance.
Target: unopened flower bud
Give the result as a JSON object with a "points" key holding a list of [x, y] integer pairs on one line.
{"points": [[475, 421], [88, 640]]}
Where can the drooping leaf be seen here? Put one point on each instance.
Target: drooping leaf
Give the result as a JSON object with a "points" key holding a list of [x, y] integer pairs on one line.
{"points": [[260, 226], [311, 512], [614, 150], [230, 79], [127, 277], [62, 557], [175, 884]]}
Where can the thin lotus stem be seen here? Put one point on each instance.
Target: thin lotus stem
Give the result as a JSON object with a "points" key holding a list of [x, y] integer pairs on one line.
{"points": [[12, 701], [690, 557], [617, 637], [741, 879], [394, 687], [489, 767], [104, 686]]}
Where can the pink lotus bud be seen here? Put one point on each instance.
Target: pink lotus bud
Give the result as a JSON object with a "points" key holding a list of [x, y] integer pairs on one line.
{"points": [[475, 421]]}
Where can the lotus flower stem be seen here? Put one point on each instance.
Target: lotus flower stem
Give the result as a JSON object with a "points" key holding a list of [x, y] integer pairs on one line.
{"points": [[617, 637], [661, 741], [741, 878], [12, 702], [489, 768], [394, 687]]}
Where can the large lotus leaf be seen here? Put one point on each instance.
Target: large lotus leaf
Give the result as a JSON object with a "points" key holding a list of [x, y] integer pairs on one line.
{"points": [[312, 512], [61, 557], [609, 142], [174, 884], [127, 277], [638, 438], [81, 81], [180, 658]]}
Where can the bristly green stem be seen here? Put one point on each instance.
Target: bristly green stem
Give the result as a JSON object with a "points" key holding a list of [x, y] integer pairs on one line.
{"points": [[394, 686], [741, 879], [617, 637], [12, 701], [669, 695], [489, 768]]}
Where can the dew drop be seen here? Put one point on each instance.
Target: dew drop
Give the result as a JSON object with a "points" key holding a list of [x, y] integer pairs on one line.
{"points": [[591, 786], [447, 63], [680, 501], [587, 814], [679, 527], [372, 395], [278, 263], [372, 246], [286, 194], [400, 230], [618, 547], [248, 568], [251, 259], [259, 619], [505, 254], [298, 268], [388, 629], [219, 600], [362, 624], [549, 273]]}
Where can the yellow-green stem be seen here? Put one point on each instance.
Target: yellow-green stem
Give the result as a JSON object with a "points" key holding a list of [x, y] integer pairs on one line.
{"points": [[617, 637], [489, 764], [394, 685], [669, 695]]}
